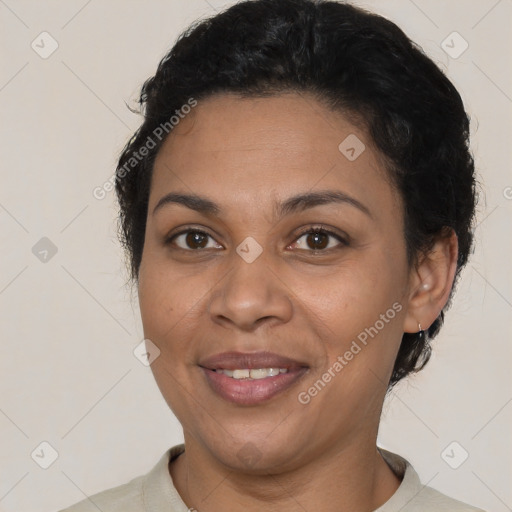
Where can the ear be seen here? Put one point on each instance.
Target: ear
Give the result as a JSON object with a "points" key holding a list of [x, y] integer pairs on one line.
{"points": [[431, 282]]}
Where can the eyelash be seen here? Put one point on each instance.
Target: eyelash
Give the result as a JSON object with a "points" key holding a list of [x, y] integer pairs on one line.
{"points": [[311, 230]]}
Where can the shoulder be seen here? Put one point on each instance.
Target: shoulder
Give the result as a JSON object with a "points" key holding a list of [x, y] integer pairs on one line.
{"points": [[152, 491], [413, 496], [430, 499], [125, 498]]}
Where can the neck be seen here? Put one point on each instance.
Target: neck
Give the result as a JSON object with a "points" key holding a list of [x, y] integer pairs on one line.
{"points": [[351, 478]]}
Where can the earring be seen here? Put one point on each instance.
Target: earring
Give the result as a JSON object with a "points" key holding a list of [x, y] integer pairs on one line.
{"points": [[421, 333]]}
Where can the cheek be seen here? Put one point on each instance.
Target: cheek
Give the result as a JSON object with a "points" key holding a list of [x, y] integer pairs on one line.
{"points": [[356, 293], [166, 297], [169, 305], [361, 302]]}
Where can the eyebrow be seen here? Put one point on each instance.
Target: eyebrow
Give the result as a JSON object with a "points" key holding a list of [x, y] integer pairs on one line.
{"points": [[293, 204]]}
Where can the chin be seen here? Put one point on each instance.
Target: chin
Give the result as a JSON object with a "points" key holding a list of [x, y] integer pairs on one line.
{"points": [[257, 454]]}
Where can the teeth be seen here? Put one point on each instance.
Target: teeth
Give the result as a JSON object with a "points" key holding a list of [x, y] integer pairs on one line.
{"points": [[253, 374], [261, 374]]}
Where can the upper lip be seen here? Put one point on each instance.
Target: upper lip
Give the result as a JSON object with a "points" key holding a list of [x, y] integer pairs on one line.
{"points": [[254, 360]]}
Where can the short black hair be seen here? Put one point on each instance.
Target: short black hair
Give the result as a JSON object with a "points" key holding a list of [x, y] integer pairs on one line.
{"points": [[352, 60]]}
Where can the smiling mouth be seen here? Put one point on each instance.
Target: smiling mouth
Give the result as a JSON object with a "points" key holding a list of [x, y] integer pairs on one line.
{"points": [[253, 386], [252, 374], [251, 378]]}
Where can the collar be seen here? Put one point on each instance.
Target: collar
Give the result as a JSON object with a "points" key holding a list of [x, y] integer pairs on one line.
{"points": [[160, 494]]}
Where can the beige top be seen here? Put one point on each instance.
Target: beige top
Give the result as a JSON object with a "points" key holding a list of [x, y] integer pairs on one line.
{"points": [[155, 492]]}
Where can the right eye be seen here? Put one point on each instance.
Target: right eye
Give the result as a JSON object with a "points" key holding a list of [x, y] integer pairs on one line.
{"points": [[194, 239]]}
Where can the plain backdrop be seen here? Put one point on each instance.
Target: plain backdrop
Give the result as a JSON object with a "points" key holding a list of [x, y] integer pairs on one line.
{"points": [[69, 324]]}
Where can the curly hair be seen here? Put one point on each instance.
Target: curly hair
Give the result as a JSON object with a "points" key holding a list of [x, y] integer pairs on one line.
{"points": [[352, 60]]}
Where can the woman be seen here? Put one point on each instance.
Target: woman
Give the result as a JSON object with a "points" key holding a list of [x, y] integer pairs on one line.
{"points": [[296, 208]]}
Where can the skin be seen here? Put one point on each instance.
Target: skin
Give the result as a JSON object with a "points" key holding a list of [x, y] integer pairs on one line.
{"points": [[247, 155]]}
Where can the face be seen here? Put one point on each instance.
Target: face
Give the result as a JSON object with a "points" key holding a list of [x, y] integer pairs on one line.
{"points": [[273, 280]]}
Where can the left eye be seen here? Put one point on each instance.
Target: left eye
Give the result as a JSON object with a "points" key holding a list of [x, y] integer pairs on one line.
{"points": [[318, 240]]}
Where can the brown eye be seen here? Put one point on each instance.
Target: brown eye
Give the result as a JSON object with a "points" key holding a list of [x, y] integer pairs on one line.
{"points": [[194, 240], [317, 241]]}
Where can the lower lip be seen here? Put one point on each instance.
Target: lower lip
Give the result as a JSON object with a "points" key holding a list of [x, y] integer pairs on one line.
{"points": [[251, 392]]}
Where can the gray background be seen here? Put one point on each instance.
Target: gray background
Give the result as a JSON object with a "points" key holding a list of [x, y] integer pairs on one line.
{"points": [[69, 324]]}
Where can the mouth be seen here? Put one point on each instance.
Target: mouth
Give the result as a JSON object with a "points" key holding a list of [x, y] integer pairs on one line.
{"points": [[251, 378], [252, 374]]}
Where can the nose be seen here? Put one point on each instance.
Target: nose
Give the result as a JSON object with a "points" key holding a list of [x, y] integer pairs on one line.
{"points": [[250, 295]]}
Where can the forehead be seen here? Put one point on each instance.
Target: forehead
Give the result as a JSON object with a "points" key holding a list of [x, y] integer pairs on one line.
{"points": [[243, 148]]}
